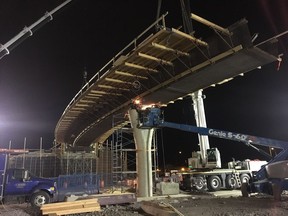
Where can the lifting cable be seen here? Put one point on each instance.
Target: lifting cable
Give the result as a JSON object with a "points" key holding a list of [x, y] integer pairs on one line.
{"points": [[157, 28], [186, 16], [158, 13]]}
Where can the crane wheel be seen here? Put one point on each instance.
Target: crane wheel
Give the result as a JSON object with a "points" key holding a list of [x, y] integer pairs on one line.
{"points": [[200, 184], [244, 178], [230, 182], [214, 183]]}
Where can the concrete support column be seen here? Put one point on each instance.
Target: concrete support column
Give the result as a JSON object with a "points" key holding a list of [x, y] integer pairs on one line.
{"points": [[143, 141]]}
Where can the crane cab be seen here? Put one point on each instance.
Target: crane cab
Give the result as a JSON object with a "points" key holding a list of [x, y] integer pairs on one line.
{"points": [[213, 160]]}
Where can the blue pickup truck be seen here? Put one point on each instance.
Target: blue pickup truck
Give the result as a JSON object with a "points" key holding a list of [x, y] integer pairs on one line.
{"points": [[21, 184]]}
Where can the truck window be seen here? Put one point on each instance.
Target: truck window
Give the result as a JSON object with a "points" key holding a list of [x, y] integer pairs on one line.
{"points": [[18, 174], [211, 155]]}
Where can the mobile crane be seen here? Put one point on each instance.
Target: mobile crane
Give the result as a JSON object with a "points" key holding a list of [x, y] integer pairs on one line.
{"points": [[272, 178], [6, 48]]}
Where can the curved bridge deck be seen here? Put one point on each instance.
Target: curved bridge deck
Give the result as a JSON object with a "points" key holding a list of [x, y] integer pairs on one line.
{"points": [[163, 67]]}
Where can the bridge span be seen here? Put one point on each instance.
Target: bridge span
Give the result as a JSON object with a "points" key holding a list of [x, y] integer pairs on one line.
{"points": [[159, 66]]}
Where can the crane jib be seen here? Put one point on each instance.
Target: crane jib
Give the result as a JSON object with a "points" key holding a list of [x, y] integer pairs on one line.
{"points": [[247, 139]]}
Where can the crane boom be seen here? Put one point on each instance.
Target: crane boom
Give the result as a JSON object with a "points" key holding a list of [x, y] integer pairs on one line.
{"points": [[153, 118], [28, 31]]}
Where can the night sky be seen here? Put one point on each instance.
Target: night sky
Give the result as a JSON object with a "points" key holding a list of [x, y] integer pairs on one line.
{"points": [[40, 76]]}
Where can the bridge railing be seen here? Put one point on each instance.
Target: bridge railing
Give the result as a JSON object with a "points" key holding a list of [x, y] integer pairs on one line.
{"points": [[125, 51]]}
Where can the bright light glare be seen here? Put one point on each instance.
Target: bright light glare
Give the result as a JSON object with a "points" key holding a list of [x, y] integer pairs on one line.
{"points": [[137, 101], [147, 106]]}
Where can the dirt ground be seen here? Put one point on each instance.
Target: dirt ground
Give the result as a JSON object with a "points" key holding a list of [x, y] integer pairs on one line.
{"points": [[221, 204], [229, 206]]}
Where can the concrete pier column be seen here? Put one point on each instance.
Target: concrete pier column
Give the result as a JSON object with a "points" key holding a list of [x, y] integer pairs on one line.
{"points": [[143, 141]]}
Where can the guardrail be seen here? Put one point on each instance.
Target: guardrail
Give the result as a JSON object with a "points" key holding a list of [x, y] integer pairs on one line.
{"points": [[109, 65]]}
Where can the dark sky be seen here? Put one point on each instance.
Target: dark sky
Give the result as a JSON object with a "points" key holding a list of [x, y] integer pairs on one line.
{"points": [[40, 76]]}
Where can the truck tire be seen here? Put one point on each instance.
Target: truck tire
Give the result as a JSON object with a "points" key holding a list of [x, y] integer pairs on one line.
{"points": [[230, 182], [244, 178], [214, 183], [244, 190], [277, 191], [39, 198], [200, 184]]}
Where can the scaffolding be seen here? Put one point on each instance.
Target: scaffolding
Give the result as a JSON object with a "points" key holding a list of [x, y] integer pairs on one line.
{"points": [[113, 161], [64, 161], [104, 164], [78, 163], [118, 157], [123, 153], [40, 163]]}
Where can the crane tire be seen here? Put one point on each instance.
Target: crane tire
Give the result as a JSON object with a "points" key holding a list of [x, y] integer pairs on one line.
{"points": [[214, 183], [200, 184], [244, 178], [230, 182]]}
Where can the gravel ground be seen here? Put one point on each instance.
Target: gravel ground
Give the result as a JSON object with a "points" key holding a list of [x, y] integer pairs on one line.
{"points": [[190, 205]]}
